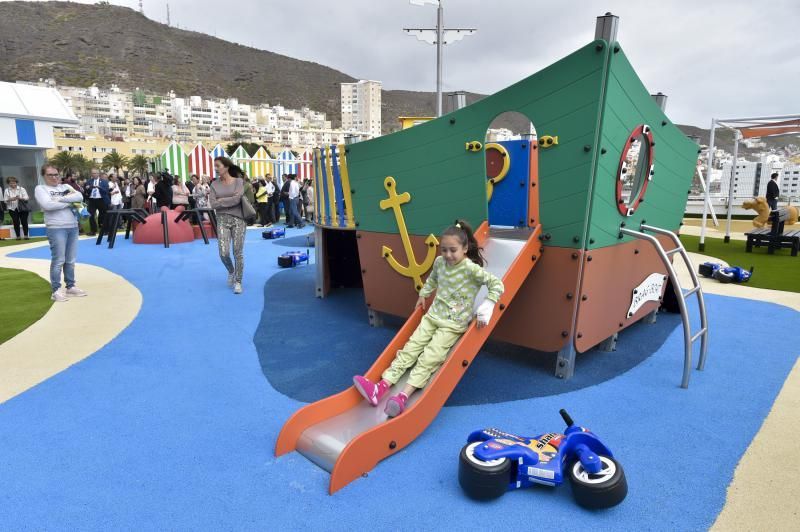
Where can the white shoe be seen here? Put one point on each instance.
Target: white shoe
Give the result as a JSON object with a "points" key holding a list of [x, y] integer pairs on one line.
{"points": [[75, 292], [231, 279], [237, 288], [58, 296]]}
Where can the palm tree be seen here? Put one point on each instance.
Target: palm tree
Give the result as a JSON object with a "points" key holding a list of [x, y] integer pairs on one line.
{"points": [[236, 135], [81, 164], [139, 164], [116, 161], [64, 161]]}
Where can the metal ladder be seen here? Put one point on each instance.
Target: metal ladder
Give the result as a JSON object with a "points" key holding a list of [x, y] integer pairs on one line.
{"points": [[688, 338]]}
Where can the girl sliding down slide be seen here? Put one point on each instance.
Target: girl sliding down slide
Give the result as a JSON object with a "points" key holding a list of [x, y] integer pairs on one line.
{"points": [[456, 275]]}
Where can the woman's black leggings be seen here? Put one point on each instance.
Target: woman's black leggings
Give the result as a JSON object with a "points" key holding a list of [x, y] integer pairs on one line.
{"points": [[20, 218]]}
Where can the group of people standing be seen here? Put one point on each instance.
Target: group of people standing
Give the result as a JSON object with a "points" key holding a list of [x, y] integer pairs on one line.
{"points": [[296, 198], [165, 190], [60, 199]]}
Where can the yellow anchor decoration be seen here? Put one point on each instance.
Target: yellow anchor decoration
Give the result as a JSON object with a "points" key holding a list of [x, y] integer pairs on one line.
{"points": [[413, 270]]}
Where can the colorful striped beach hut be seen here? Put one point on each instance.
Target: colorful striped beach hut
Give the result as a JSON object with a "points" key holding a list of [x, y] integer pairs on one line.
{"points": [[242, 159], [260, 163], [175, 161], [285, 164], [305, 169], [218, 151], [200, 161]]}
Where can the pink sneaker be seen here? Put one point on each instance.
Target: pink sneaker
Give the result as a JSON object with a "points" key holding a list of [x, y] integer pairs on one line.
{"points": [[371, 392], [396, 404]]}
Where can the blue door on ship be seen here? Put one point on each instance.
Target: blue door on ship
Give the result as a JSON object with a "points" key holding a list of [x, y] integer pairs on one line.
{"points": [[507, 182]]}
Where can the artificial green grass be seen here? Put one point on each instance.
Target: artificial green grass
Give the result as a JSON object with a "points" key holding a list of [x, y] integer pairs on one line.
{"points": [[780, 271], [26, 298]]}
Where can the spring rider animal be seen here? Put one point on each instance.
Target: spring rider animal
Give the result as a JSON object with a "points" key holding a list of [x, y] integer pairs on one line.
{"points": [[760, 205]]}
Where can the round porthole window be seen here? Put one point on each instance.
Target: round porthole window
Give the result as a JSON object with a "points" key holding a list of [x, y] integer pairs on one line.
{"points": [[635, 169]]}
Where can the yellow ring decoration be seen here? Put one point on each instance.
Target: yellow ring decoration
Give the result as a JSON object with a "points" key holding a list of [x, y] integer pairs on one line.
{"points": [[506, 165]]}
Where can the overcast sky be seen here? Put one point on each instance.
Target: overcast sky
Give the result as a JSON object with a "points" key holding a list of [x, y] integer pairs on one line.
{"points": [[717, 58]]}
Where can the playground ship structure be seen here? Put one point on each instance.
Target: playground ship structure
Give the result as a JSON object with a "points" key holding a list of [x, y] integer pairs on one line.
{"points": [[579, 223]]}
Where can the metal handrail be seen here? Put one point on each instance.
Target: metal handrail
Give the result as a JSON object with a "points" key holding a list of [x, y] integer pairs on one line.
{"points": [[701, 303], [688, 340]]}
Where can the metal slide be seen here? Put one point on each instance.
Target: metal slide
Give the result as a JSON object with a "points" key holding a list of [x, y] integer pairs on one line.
{"points": [[347, 437]]}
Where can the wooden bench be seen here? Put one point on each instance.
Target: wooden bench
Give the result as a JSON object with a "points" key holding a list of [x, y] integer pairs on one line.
{"points": [[774, 237]]}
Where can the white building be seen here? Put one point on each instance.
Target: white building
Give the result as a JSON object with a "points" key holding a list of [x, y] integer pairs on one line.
{"points": [[132, 115], [789, 181], [361, 108], [27, 117], [752, 177]]}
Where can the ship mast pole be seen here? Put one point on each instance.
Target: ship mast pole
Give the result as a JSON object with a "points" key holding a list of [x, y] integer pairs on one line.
{"points": [[439, 27]]}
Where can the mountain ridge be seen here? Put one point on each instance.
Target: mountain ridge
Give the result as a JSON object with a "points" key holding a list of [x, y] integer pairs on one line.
{"points": [[135, 51]]}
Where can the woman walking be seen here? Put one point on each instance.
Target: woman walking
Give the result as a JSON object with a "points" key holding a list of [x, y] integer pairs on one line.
{"points": [[226, 198], [16, 200]]}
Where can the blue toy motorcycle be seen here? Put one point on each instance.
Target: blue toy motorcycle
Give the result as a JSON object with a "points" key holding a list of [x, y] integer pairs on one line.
{"points": [[494, 462], [274, 232], [730, 274], [290, 259]]}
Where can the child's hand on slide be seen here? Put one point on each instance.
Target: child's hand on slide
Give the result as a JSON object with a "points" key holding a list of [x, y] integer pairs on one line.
{"points": [[420, 303], [484, 313]]}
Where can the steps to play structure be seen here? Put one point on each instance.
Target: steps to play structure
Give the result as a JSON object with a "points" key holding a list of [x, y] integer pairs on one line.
{"points": [[696, 290], [347, 437]]}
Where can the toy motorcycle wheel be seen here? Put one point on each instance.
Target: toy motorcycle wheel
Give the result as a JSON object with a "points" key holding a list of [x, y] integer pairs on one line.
{"points": [[723, 277], [482, 480], [601, 490]]}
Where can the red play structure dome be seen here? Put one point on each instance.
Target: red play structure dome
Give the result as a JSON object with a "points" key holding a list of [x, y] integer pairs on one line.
{"points": [[153, 233]]}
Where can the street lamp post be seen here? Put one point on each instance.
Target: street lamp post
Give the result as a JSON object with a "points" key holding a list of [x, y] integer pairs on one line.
{"points": [[438, 36]]}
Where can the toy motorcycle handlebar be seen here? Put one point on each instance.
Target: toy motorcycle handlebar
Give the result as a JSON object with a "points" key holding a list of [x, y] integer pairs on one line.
{"points": [[566, 417]]}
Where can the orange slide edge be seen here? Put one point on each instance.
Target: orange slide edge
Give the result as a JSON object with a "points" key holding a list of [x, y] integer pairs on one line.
{"points": [[334, 405], [364, 451]]}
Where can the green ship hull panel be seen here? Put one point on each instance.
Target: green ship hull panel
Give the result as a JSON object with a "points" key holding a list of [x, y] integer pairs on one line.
{"points": [[447, 182], [591, 99], [628, 104]]}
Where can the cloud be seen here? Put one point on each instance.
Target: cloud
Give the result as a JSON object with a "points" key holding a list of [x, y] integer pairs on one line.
{"points": [[713, 59]]}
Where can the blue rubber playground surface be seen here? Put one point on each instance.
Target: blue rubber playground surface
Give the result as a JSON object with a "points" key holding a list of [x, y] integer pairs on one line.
{"points": [[172, 425]]}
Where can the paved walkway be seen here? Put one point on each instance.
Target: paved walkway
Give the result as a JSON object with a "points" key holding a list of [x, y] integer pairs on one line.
{"points": [[764, 493], [712, 232], [70, 331]]}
